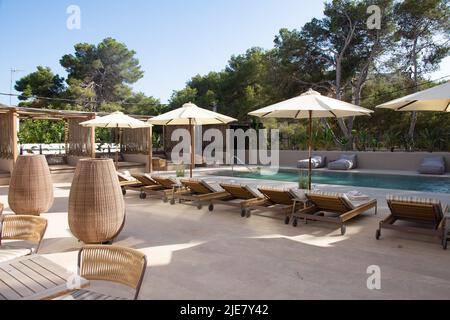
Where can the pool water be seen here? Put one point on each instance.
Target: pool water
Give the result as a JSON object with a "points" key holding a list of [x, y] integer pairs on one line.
{"points": [[383, 181]]}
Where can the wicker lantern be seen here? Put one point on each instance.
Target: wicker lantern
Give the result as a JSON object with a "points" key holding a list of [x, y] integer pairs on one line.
{"points": [[96, 206], [31, 186]]}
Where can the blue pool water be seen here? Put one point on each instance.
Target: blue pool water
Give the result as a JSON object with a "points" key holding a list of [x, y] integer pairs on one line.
{"points": [[383, 181]]}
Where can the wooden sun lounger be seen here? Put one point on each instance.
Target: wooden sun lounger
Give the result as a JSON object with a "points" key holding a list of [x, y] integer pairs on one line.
{"points": [[147, 184], [338, 205], [128, 184], [239, 197], [166, 189], [427, 214], [279, 201], [200, 193]]}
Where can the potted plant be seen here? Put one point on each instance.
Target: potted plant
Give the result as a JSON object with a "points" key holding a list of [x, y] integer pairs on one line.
{"points": [[181, 171]]}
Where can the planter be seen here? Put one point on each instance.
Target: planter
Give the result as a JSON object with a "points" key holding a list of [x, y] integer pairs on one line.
{"points": [[31, 186], [96, 205]]}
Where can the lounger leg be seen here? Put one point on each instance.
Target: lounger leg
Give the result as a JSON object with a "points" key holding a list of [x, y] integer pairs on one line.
{"points": [[378, 233]]}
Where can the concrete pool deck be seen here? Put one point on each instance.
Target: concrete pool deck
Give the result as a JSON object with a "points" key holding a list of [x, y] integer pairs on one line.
{"points": [[194, 254]]}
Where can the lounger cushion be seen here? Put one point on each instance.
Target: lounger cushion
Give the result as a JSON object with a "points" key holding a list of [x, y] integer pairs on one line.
{"points": [[413, 200], [316, 161], [297, 194], [432, 165], [126, 175], [252, 191], [345, 162], [9, 253], [343, 196]]}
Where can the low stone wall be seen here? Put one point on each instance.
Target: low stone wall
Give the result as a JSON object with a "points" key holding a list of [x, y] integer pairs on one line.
{"points": [[404, 161]]}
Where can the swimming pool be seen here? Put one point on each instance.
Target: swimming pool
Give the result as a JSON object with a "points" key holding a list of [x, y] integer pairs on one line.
{"points": [[383, 181]]}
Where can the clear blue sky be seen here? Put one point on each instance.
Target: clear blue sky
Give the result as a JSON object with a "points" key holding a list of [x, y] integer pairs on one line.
{"points": [[174, 39]]}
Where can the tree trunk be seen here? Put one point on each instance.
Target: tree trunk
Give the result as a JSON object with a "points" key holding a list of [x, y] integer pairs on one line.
{"points": [[412, 126]]}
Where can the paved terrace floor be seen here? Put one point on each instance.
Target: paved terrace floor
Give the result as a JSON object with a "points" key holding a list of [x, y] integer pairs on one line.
{"points": [[198, 255]]}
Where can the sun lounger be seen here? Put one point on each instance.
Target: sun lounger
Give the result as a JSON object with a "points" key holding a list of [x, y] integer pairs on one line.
{"points": [[279, 201], [432, 165], [167, 188], [127, 181], [426, 214], [239, 196], [316, 161], [200, 192], [345, 162], [146, 184], [29, 229], [321, 205]]}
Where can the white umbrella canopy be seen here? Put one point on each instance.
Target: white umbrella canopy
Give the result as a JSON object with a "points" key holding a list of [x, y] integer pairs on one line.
{"points": [[435, 99], [309, 105], [311, 102], [191, 115], [115, 120]]}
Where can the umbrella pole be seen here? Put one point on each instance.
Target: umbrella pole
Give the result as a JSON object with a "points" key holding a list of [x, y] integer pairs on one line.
{"points": [[191, 127], [310, 150], [117, 151]]}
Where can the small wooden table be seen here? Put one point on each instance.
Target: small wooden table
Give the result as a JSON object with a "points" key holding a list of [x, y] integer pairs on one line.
{"points": [[36, 278]]}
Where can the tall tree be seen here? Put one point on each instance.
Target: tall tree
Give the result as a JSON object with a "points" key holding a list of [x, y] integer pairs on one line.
{"points": [[102, 71], [37, 86], [422, 32]]}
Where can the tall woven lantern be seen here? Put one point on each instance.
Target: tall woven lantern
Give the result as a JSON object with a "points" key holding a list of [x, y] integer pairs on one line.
{"points": [[96, 206], [31, 186]]}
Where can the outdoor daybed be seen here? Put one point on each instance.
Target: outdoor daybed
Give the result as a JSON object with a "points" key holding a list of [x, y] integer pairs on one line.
{"points": [[345, 162], [432, 165], [316, 161]]}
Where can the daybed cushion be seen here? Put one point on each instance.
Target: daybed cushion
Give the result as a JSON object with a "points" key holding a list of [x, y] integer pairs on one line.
{"points": [[432, 165], [316, 161], [345, 162]]}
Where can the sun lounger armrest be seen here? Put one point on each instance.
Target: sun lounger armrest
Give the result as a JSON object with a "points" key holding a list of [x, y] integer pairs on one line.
{"points": [[359, 210]]}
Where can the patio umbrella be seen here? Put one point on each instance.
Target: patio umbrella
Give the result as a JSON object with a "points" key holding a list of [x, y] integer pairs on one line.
{"points": [[311, 105], [117, 120], [434, 99], [191, 115]]}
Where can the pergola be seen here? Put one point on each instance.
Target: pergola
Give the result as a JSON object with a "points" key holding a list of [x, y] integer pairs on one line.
{"points": [[79, 141]]}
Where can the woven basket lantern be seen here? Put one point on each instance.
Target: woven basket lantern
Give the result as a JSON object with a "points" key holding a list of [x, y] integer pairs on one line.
{"points": [[96, 206], [31, 186]]}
